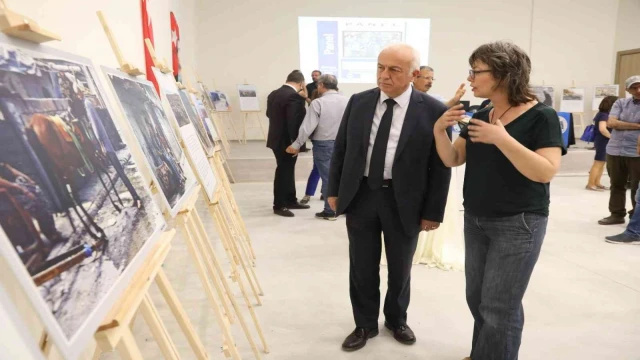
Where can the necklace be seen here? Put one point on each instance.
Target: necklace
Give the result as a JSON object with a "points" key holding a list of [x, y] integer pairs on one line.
{"points": [[500, 117]]}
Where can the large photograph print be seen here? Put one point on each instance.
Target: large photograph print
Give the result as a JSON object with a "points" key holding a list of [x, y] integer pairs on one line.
{"points": [[143, 109], [75, 214]]}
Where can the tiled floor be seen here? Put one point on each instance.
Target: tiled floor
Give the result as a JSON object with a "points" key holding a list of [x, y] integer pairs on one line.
{"points": [[583, 301]]}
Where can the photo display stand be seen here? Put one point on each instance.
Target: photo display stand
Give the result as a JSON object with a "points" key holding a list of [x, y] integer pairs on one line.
{"points": [[581, 123], [248, 115], [115, 332], [236, 247], [17, 25], [211, 111]]}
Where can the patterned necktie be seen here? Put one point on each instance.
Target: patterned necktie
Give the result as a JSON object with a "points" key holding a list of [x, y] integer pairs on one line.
{"points": [[379, 153], [636, 101]]}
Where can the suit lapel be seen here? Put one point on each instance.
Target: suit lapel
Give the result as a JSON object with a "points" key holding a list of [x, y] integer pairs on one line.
{"points": [[370, 104], [410, 120]]}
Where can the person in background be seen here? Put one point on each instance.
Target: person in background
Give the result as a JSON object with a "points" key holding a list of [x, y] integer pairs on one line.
{"points": [[600, 142], [424, 81], [511, 151], [629, 106], [321, 124], [314, 176], [623, 161], [285, 110]]}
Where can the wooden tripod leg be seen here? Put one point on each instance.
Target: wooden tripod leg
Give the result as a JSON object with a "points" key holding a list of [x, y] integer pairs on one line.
{"points": [[224, 327], [97, 352], [244, 128], [264, 134], [242, 253], [171, 298], [216, 263], [226, 237], [127, 347], [214, 276], [228, 116], [152, 318], [209, 253], [227, 186]]}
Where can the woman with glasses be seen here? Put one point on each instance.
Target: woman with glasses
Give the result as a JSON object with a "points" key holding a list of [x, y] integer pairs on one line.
{"points": [[512, 151]]}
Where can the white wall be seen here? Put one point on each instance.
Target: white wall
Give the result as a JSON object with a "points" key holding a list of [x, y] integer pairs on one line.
{"points": [[77, 23], [570, 41], [627, 25]]}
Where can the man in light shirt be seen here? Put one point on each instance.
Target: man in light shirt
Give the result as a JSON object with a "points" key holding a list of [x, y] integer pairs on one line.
{"points": [[321, 124], [424, 81]]}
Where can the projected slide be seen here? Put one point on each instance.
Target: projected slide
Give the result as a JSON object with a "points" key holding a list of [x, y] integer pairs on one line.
{"points": [[349, 47]]}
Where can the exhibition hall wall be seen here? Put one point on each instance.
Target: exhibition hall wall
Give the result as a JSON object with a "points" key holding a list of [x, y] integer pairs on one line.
{"points": [[568, 40], [77, 23]]}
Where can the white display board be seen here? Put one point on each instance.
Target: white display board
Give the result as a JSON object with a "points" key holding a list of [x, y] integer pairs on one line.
{"points": [[248, 98], [572, 100]]}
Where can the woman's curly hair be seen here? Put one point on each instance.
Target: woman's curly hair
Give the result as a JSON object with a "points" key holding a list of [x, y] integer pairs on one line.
{"points": [[510, 66]]}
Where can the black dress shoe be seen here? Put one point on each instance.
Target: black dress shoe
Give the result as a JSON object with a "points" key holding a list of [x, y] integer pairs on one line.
{"points": [[358, 339], [402, 333], [298, 206], [283, 212]]}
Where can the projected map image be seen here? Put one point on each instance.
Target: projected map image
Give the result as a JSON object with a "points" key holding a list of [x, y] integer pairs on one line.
{"points": [[367, 44]]}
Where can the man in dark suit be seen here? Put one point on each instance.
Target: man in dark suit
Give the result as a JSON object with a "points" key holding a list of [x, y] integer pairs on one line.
{"points": [[387, 177], [286, 110]]}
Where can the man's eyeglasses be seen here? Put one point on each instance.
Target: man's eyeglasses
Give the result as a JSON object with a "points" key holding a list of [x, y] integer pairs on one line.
{"points": [[426, 77], [473, 73]]}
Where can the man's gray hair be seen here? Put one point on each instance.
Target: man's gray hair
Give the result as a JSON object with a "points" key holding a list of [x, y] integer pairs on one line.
{"points": [[415, 55], [329, 81], [425, 67]]}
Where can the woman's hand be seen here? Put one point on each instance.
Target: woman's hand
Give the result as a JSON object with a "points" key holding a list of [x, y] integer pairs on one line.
{"points": [[449, 118], [483, 132]]}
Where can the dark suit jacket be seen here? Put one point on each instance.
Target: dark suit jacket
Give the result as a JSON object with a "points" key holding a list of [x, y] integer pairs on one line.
{"points": [[286, 111], [420, 179]]}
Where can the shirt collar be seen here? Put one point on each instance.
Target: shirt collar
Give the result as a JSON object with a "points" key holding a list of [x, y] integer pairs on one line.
{"points": [[402, 100], [291, 86], [328, 92]]}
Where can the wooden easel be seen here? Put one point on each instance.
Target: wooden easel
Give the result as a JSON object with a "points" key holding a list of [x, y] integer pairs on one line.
{"points": [[217, 163], [20, 26], [157, 63], [193, 227], [226, 115], [220, 301], [245, 121], [247, 115], [116, 334], [125, 66]]}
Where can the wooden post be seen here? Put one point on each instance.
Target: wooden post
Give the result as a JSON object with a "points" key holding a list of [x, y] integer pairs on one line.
{"points": [[156, 62], [124, 65], [20, 26]]}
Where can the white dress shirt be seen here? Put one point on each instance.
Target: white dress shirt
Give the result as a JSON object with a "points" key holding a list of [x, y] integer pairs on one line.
{"points": [[291, 86], [399, 112]]}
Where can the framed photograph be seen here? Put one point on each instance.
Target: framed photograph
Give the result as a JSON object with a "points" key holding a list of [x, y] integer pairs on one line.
{"points": [[198, 122], [187, 131], [145, 115], [76, 215], [248, 98], [220, 101], [201, 110], [572, 100], [601, 92], [545, 95]]}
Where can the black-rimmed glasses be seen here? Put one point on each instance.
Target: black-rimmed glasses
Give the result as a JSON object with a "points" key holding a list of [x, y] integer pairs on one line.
{"points": [[473, 73]]}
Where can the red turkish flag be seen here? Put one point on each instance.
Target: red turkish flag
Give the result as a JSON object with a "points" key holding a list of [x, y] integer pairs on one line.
{"points": [[175, 46], [147, 33]]}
